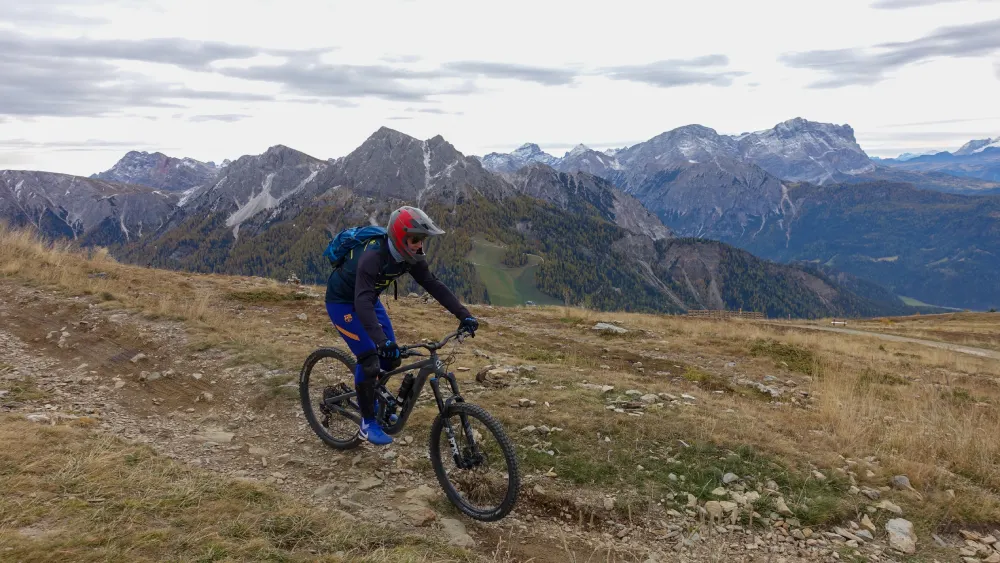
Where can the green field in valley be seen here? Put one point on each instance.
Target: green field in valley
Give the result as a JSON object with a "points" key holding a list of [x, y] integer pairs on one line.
{"points": [[917, 303], [507, 286]]}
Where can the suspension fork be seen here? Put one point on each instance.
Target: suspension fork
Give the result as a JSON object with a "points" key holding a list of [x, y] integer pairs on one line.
{"points": [[444, 406]]}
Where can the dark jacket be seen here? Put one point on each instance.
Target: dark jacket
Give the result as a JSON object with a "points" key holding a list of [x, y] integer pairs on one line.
{"points": [[367, 272]]}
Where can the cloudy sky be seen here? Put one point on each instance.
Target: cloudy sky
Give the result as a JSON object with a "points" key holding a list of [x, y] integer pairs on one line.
{"points": [[84, 81]]}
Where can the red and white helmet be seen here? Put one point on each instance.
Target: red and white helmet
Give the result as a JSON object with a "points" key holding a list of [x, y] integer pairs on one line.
{"points": [[410, 222]]}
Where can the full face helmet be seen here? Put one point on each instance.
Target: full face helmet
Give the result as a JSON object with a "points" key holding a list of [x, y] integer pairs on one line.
{"points": [[410, 223]]}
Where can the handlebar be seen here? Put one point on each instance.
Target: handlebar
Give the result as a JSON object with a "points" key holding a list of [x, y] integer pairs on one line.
{"points": [[407, 351]]}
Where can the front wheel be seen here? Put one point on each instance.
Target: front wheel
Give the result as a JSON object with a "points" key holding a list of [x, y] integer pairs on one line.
{"points": [[478, 471]]}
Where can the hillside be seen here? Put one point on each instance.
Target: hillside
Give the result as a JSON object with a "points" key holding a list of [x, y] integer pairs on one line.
{"points": [[982, 163], [797, 441], [936, 247], [93, 211], [582, 259], [926, 180]]}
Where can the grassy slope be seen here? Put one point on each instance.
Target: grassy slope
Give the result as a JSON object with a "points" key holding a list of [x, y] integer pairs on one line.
{"points": [[72, 495], [946, 244], [927, 413], [507, 286], [968, 329]]}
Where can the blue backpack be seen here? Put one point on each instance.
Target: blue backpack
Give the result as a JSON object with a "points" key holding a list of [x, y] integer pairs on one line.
{"points": [[347, 240]]}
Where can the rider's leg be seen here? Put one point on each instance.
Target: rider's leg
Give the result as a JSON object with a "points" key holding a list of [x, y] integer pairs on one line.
{"points": [[365, 372], [383, 319]]}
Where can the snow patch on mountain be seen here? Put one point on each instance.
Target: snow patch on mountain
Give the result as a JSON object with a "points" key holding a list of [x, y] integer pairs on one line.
{"points": [[994, 144], [977, 145]]}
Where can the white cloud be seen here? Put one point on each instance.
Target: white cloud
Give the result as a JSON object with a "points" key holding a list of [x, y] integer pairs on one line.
{"points": [[902, 4], [321, 76], [867, 66]]}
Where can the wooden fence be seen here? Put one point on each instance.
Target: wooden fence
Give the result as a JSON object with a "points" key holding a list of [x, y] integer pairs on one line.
{"points": [[723, 314]]}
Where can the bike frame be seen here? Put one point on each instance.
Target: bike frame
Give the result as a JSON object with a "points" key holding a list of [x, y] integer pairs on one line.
{"points": [[432, 366]]}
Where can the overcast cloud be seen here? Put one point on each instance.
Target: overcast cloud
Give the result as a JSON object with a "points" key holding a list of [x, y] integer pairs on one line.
{"points": [[870, 65], [671, 73], [83, 81], [902, 4]]}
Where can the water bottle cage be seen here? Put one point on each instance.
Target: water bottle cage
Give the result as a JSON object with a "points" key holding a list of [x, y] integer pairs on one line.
{"points": [[405, 388]]}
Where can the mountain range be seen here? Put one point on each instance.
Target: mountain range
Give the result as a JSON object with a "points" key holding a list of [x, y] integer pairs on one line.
{"points": [[979, 159], [619, 229], [760, 191]]}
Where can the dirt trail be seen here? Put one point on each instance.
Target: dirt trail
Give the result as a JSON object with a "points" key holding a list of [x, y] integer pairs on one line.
{"points": [[140, 380], [981, 352]]}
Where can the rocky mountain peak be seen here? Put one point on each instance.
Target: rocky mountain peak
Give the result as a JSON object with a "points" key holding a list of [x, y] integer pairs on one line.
{"points": [[585, 159], [253, 184], [280, 155], [975, 146], [800, 126], [391, 164], [159, 171], [528, 150], [386, 135], [802, 150], [520, 157], [690, 142]]}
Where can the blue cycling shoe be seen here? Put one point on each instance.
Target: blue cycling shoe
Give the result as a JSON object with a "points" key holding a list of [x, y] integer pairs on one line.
{"points": [[371, 430]]}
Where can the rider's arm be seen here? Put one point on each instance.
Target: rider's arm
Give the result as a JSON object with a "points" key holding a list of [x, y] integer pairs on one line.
{"points": [[439, 291], [365, 295]]}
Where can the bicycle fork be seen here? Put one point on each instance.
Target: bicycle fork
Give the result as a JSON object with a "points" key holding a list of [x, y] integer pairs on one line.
{"points": [[443, 407]]}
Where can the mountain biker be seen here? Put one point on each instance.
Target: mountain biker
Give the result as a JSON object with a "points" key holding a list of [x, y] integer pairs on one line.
{"points": [[352, 301]]}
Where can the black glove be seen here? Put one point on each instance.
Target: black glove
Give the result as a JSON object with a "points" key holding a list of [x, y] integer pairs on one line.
{"points": [[470, 325], [388, 350]]}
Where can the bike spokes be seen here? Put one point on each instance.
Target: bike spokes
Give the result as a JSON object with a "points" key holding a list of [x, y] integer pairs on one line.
{"points": [[476, 466], [328, 378]]}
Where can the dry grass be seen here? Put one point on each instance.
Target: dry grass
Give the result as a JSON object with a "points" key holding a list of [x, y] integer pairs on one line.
{"points": [[981, 330], [204, 302], [929, 413], [70, 495], [925, 412]]}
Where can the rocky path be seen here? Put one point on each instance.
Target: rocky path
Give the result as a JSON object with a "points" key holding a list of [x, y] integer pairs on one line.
{"points": [[136, 378]]}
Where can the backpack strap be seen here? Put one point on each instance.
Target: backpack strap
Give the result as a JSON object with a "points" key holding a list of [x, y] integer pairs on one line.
{"points": [[386, 256]]}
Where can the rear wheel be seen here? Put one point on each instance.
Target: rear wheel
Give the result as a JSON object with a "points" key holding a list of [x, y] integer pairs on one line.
{"points": [[482, 479], [327, 373]]}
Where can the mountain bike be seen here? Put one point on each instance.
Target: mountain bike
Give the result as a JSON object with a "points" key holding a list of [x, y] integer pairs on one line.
{"points": [[479, 473]]}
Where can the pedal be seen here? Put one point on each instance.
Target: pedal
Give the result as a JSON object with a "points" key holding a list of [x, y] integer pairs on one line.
{"points": [[386, 405]]}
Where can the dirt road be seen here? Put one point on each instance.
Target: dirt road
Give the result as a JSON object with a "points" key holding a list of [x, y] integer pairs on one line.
{"points": [[981, 352]]}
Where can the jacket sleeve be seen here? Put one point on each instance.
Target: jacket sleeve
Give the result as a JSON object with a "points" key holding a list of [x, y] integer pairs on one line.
{"points": [[427, 280], [365, 295]]}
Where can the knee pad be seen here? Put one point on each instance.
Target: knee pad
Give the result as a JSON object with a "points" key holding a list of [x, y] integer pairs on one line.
{"points": [[370, 367]]}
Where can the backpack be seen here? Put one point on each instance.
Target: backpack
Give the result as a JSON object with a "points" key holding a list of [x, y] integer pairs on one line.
{"points": [[348, 239]]}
